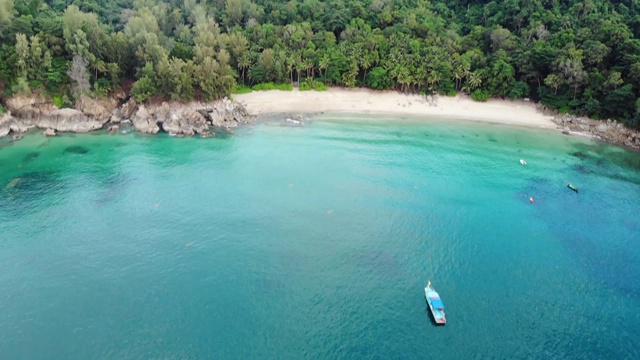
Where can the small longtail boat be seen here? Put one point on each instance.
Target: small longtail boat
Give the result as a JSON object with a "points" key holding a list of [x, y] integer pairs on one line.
{"points": [[435, 304], [570, 186]]}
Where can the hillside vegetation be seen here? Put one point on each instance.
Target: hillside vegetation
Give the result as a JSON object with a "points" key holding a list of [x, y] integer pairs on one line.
{"points": [[575, 56]]}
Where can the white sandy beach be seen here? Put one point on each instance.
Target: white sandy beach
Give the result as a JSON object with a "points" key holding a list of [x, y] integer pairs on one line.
{"points": [[390, 102]]}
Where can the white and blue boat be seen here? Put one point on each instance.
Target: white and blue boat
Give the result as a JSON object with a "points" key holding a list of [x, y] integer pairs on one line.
{"points": [[435, 304]]}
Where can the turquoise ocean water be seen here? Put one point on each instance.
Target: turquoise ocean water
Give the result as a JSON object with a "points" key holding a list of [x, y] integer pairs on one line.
{"points": [[316, 242]]}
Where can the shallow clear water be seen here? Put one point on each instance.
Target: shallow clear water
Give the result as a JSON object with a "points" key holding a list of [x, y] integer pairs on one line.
{"points": [[316, 242]]}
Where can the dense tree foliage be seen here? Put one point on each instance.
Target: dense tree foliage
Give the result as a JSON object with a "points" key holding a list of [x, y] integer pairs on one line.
{"points": [[575, 56]]}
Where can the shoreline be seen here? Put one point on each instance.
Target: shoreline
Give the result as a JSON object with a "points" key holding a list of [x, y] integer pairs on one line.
{"points": [[366, 101], [204, 119]]}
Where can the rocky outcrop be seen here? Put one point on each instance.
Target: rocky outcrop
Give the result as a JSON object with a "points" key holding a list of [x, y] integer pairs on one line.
{"points": [[226, 114], [5, 124], [20, 125], [294, 120], [31, 112], [184, 123], [183, 119], [143, 121], [49, 132], [125, 112], [28, 109], [180, 119], [187, 119], [98, 110], [67, 120], [609, 131]]}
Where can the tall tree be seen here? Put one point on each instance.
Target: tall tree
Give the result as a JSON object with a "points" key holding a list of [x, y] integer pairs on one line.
{"points": [[6, 15]]}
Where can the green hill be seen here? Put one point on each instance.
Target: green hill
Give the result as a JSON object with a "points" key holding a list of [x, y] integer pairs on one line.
{"points": [[575, 56]]}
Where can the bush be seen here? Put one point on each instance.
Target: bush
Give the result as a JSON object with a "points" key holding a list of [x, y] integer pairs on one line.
{"points": [[35, 84], [549, 98], [2, 109], [591, 107], [58, 101], [242, 89], [21, 86], [378, 79], [264, 86], [310, 84], [519, 90], [446, 86], [319, 86], [480, 95], [143, 89], [272, 86], [102, 87], [306, 85], [284, 87]]}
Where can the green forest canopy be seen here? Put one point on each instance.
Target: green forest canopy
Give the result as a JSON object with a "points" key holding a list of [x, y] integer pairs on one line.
{"points": [[574, 56]]}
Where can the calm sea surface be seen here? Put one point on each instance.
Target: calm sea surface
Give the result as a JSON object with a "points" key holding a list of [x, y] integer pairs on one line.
{"points": [[316, 242]]}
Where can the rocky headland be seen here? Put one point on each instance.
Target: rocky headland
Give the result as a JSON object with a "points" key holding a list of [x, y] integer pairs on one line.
{"points": [[176, 118], [609, 131]]}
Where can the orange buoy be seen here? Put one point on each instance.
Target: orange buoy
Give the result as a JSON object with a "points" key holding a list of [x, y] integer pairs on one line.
{"points": [[531, 200]]}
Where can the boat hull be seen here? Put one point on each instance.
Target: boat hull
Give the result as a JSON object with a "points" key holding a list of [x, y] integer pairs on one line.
{"points": [[435, 306]]}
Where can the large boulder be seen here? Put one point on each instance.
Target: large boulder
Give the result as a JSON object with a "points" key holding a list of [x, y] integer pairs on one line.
{"points": [[143, 121], [226, 114], [20, 125], [99, 110], [29, 108], [602, 128], [127, 110], [5, 124], [67, 120], [36, 111], [195, 118], [185, 122]]}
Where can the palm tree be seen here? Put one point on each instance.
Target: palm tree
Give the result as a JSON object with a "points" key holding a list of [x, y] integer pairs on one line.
{"points": [[308, 66], [299, 67], [243, 63], [434, 79], [323, 64], [474, 80], [457, 74], [290, 63], [421, 75], [404, 77], [365, 63]]}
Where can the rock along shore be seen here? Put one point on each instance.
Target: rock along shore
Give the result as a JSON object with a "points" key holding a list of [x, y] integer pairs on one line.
{"points": [[608, 131], [176, 118]]}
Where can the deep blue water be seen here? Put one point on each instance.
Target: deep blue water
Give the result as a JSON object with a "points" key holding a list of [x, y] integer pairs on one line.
{"points": [[316, 242]]}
